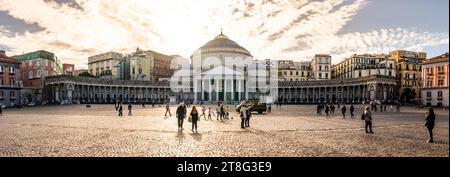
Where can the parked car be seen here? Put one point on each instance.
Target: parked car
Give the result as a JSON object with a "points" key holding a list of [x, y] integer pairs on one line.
{"points": [[2, 105], [66, 102], [31, 104], [256, 106]]}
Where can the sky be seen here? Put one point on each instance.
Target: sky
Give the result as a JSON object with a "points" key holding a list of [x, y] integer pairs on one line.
{"points": [[275, 29]]}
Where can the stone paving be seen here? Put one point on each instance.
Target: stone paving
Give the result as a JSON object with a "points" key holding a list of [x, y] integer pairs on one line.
{"points": [[293, 130]]}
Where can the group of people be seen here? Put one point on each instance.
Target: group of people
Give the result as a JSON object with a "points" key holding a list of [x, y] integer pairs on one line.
{"points": [[194, 116], [119, 108], [330, 109], [383, 107], [223, 112], [245, 114]]}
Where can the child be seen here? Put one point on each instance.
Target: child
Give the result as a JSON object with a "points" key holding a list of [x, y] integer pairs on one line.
{"points": [[209, 113]]}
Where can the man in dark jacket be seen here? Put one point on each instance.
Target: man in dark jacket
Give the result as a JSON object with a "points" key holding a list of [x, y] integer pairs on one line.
{"points": [[181, 114], [343, 110], [352, 111]]}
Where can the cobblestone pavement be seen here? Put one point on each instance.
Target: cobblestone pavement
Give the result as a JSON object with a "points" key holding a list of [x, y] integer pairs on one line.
{"points": [[293, 130]]}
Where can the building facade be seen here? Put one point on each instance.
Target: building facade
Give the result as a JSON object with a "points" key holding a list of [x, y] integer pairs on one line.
{"points": [[435, 84], [321, 67], [97, 90], [10, 84], [104, 64], [35, 66], [145, 65], [289, 70], [68, 69], [366, 65], [220, 71], [408, 70]]}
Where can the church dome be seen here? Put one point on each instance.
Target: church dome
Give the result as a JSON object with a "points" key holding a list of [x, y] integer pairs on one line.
{"points": [[222, 43]]}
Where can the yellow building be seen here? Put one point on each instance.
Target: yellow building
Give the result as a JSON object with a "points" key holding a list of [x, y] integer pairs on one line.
{"points": [[408, 72], [104, 64], [146, 65]]}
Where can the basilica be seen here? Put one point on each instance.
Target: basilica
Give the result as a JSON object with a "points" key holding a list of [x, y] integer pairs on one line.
{"points": [[222, 71]]}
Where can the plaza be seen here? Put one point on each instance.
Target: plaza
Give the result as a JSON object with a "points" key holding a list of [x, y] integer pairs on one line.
{"points": [[293, 130]]}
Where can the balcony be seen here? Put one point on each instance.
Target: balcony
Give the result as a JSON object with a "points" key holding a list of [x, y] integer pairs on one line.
{"points": [[439, 98]]}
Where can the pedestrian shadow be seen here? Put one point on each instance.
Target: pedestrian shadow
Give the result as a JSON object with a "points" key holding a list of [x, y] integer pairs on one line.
{"points": [[180, 136], [196, 136]]}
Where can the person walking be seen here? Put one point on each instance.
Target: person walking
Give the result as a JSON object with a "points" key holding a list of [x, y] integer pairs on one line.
{"points": [[367, 117], [181, 114], [168, 110], [227, 113], [398, 107], [194, 119], [153, 104], [269, 108], [343, 110], [218, 112], [243, 115], [391, 108], [116, 105], [129, 109], [327, 109], [318, 109], [203, 112], [222, 112], [332, 108], [210, 112], [120, 107], [352, 111], [248, 115], [430, 118]]}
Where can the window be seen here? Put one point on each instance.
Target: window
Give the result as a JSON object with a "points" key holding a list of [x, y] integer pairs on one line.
{"points": [[320, 67], [30, 74], [38, 74], [320, 75], [428, 94], [12, 95], [1, 68], [439, 93], [1, 94], [326, 68], [326, 75], [11, 70]]}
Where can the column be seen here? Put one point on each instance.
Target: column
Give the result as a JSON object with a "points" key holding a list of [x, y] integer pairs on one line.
{"points": [[210, 91], [217, 89]]}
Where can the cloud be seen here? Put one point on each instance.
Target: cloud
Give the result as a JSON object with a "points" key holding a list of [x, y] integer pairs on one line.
{"points": [[277, 29]]}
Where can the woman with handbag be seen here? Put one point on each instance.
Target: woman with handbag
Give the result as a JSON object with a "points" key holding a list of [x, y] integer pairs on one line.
{"points": [[194, 118], [430, 117]]}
